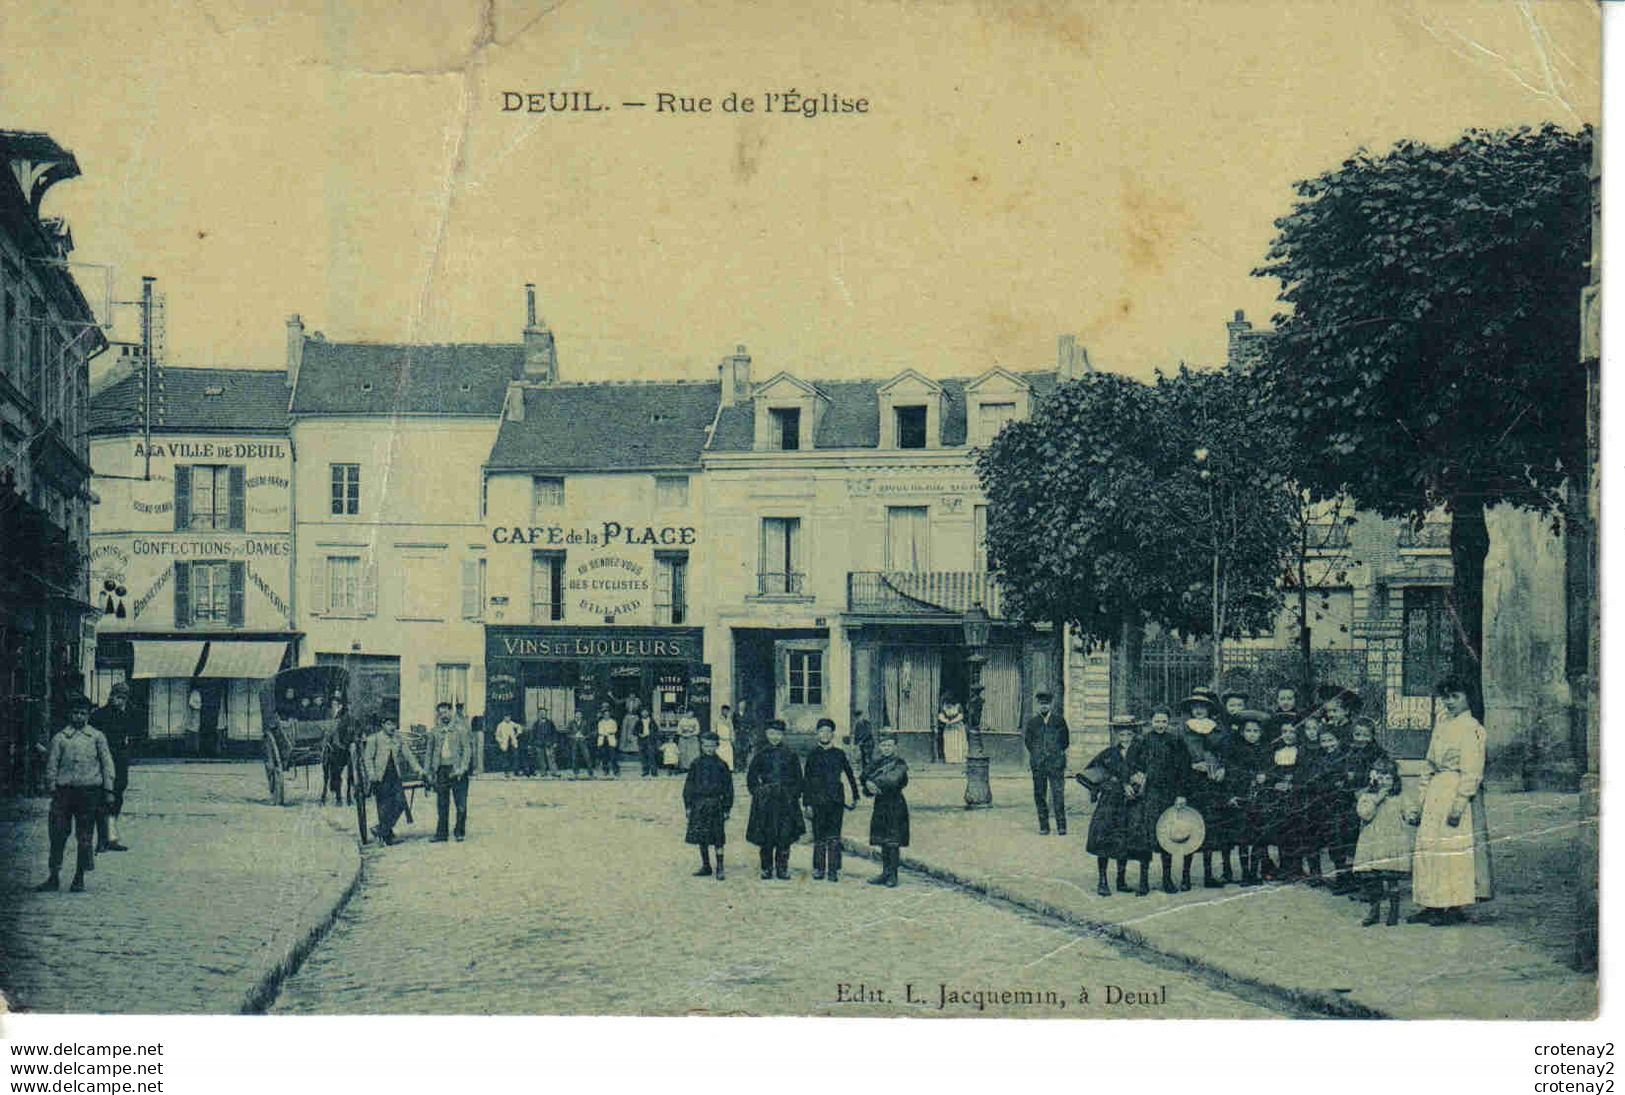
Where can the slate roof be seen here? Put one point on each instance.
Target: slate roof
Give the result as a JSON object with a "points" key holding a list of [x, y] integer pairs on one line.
{"points": [[852, 418], [196, 401], [608, 427], [387, 378]]}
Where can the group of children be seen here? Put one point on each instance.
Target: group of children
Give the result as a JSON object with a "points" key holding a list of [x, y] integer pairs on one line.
{"points": [[782, 789], [1281, 794]]}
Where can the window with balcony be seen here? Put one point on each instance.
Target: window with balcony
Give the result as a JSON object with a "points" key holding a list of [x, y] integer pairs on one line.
{"points": [[346, 489], [911, 423], [1429, 639], [671, 587], [785, 426], [546, 587], [804, 677], [779, 572], [907, 538], [671, 491]]}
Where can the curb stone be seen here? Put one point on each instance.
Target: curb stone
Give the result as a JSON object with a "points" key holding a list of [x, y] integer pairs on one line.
{"points": [[1306, 1004], [263, 993]]}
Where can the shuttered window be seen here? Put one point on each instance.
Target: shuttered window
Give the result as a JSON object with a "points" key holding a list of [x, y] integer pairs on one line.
{"points": [[210, 497], [546, 587], [473, 589], [907, 538], [671, 587], [210, 593]]}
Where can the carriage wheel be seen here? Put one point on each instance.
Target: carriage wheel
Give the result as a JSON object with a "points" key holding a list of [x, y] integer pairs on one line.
{"points": [[273, 772]]}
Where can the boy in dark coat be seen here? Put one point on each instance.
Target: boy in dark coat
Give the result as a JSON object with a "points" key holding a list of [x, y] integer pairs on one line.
{"points": [[708, 798], [825, 799], [774, 782], [1282, 798], [888, 825], [1107, 778]]}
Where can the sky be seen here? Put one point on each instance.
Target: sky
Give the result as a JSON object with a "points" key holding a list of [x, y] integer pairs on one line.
{"points": [[1024, 169]]}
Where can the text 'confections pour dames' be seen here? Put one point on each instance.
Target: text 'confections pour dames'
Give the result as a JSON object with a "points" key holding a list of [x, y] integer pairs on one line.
{"points": [[792, 101]]}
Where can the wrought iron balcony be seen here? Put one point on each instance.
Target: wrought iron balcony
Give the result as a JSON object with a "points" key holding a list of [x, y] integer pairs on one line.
{"points": [[923, 592], [780, 583], [1433, 535]]}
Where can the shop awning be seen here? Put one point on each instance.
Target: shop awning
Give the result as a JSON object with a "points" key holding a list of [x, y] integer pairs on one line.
{"points": [[166, 658], [241, 658]]}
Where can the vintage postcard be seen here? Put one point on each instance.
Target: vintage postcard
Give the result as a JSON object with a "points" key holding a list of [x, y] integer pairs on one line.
{"points": [[1046, 510]]}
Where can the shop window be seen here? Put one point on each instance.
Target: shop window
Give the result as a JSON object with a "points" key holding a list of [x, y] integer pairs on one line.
{"points": [[804, 676], [908, 538], [346, 483], [1429, 639], [546, 493], [786, 428], [779, 571], [671, 491], [546, 587], [910, 427], [451, 685], [671, 587], [209, 593], [209, 497], [344, 585]]}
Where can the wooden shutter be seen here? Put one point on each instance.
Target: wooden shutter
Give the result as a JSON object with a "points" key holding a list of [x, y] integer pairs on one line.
{"points": [[317, 587], [183, 497], [183, 594], [471, 589], [369, 590], [239, 576], [236, 505]]}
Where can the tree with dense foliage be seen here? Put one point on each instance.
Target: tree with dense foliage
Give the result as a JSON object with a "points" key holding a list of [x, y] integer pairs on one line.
{"points": [[1121, 503], [1427, 359]]}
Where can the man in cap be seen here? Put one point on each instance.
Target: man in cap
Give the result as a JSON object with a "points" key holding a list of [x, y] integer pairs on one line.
{"points": [[824, 797], [79, 774], [450, 759], [118, 725], [1047, 738]]}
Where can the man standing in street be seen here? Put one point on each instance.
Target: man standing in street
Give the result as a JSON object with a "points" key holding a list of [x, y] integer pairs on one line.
{"points": [[118, 725], [386, 758], [1047, 738], [508, 745], [544, 738], [79, 774], [863, 736], [451, 757]]}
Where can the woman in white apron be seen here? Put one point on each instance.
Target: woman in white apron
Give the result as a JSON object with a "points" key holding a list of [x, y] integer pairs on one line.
{"points": [[1451, 866], [725, 737], [951, 724]]}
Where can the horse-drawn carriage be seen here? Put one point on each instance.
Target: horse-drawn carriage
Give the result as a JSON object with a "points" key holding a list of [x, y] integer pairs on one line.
{"points": [[307, 721]]}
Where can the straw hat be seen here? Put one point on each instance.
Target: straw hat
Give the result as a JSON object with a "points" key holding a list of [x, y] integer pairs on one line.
{"points": [[1180, 830]]}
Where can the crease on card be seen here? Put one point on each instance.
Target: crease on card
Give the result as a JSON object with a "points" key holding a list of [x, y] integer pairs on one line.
{"points": [[1544, 79]]}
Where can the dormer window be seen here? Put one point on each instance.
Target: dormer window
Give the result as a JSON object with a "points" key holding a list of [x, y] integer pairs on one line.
{"points": [[993, 400], [911, 427], [785, 423], [991, 418]]}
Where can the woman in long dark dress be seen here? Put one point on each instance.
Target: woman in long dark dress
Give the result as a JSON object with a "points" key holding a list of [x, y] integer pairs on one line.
{"points": [[888, 824], [1158, 766], [1107, 778], [708, 797], [774, 782]]}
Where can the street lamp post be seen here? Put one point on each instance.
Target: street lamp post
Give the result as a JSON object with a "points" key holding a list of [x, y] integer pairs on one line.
{"points": [[978, 791], [1205, 472]]}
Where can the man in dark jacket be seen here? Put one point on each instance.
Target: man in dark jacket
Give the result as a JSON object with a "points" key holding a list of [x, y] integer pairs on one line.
{"points": [[825, 800], [1047, 738], [774, 782], [118, 725]]}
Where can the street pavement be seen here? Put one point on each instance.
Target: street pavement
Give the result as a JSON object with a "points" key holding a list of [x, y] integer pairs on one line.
{"points": [[217, 887], [1511, 962], [578, 898]]}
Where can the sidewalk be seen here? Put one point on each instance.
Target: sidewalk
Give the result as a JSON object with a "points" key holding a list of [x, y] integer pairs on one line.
{"points": [[1305, 944], [216, 894]]}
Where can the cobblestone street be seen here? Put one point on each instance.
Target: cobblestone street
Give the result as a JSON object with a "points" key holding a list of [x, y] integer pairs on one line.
{"points": [[216, 889], [577, 898]]}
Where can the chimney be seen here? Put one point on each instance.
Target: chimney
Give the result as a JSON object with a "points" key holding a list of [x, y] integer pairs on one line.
{"points": [[1239, 328], [1071, 359], [296, 347], [541, 356], [735, 375]]}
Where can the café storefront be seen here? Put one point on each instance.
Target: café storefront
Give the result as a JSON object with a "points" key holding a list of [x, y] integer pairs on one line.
{"points": [[530, 669]]}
